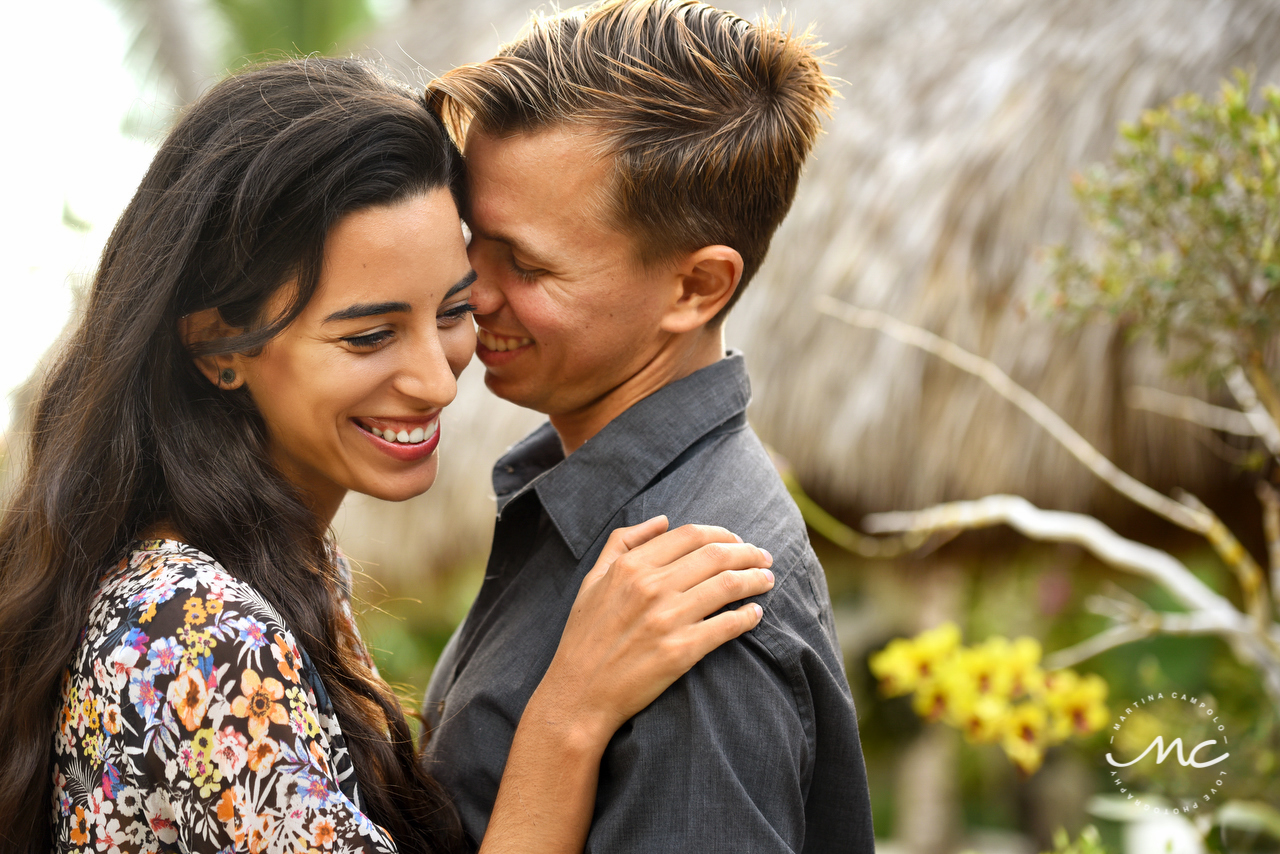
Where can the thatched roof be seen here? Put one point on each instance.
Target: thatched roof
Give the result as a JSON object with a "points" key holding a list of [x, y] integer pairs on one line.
{"points": [[943, 172]]}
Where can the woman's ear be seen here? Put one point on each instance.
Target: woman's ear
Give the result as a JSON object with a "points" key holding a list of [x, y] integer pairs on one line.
{"points": [[204, 326], [707, 280]]}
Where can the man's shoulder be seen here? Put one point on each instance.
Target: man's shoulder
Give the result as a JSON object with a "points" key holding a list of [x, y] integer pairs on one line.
{"points": [[728, 479], [726, 475]]}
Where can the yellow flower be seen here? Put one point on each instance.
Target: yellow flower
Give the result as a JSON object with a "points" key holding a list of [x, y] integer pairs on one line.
{"points": [[987, 667], [195, 645], [202, 742], [1024, 664], [1077, 703], [1025, 734], [258, 703], [937, 698], [981, 717], [195, 611], [904, 664], [212, 606]]}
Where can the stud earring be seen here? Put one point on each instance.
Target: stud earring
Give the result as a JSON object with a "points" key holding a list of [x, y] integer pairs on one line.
{"points": [[227, 376]]}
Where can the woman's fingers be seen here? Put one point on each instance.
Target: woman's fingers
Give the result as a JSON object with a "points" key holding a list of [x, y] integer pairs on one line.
{"points": [[640, 620], [719, 590], [704, 563], [722, 628], [623, 540], [669, 547]]}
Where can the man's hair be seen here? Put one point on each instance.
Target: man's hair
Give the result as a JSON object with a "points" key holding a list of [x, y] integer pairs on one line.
{"points": [[708, 117]]}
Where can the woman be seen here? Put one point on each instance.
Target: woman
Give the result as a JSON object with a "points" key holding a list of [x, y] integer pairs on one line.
{"points": [[279, 317]]}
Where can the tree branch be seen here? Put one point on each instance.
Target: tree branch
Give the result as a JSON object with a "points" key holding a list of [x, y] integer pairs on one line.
{"points": [[1191, 409], [1256, 370], [1270, 499], [1237, 558], [1063, 527], [1263, 424], [1141, 626], [817, 518], [1117, 635], [1038, 410]]}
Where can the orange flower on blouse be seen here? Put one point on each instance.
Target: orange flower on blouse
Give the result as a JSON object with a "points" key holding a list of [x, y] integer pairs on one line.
{"points": [[190, 698], [287, 658], [258, 703]]}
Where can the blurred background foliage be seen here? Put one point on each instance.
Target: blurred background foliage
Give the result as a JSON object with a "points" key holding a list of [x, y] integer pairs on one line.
{"points": [[945, 173]]}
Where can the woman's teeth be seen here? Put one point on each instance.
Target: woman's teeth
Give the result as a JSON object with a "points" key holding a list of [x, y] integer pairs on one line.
{"points": [[501, 344], [409, 437]]}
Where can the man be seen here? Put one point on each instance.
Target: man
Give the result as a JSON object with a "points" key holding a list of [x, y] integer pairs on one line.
{"points": [[628, 164]]}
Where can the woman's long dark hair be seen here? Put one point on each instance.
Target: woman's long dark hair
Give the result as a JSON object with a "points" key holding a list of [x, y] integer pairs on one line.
{"points": [[126, 433]]}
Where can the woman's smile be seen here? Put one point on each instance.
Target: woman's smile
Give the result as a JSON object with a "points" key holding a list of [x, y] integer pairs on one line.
{"points": [[402, 439]]}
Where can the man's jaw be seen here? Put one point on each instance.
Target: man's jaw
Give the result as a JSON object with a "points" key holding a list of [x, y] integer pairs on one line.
{"points": [[493, 349]]}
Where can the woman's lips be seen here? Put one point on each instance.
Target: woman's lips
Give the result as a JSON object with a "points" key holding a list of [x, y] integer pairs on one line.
{"points": [[404, 440]]}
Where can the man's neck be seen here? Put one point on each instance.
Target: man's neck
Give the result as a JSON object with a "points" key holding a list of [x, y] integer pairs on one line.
{"points": [[669, 365]]}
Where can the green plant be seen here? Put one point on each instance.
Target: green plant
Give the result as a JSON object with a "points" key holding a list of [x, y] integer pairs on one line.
{"points": [[1088, 842], [1186, 219]]}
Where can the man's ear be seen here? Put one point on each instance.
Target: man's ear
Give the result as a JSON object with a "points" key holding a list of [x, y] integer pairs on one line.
{"points": [[706, 281], [226, 370]]}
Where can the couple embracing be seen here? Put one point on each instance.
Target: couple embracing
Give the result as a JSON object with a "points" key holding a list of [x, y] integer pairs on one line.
{"points": [[280, 317]]}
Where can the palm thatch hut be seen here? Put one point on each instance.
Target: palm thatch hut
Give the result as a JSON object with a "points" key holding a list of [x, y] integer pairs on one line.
{"points": [[943, 173]]}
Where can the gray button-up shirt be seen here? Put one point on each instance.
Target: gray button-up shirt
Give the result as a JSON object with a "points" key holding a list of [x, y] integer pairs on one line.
{"points": [[756, 748]]}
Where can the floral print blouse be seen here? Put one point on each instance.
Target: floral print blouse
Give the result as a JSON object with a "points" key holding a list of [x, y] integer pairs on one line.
{"points": [[191, 720]]}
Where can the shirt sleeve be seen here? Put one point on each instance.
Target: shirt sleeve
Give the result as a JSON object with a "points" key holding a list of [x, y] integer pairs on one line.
{"points": [[232, 752], [719, 762]]}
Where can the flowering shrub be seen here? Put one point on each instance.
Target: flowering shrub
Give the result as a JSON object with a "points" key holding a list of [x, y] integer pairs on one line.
{"points": [[993, 692]]}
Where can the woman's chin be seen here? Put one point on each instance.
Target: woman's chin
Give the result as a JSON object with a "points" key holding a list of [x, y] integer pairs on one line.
{"points": [[402, 489]]}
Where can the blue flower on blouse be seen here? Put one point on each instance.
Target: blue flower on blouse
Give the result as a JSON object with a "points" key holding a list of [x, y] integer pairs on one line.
{"points": [[165, 655], [252, 632]]}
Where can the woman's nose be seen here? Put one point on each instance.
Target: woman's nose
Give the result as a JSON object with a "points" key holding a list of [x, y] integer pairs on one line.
{"points": [[426, 374]]}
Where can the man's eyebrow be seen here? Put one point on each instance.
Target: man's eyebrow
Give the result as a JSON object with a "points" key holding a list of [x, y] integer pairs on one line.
{"points": [[465, 282], [512, 243], [368, 309]]}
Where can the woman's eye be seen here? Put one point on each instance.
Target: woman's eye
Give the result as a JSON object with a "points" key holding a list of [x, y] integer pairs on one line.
{"points": [[369, 340], [455, 313]]}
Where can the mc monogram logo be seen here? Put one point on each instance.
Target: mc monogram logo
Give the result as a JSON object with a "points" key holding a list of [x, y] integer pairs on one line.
{"points": [[1157, 727]]}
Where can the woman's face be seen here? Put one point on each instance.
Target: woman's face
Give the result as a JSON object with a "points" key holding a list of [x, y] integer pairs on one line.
{"points": [[352, 390]]}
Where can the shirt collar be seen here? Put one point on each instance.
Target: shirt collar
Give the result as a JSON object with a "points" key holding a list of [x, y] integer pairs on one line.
{"points": [[583, 492]]}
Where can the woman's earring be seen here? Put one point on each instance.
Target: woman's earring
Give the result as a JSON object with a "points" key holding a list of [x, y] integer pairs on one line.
{"points": [[227, 376]]}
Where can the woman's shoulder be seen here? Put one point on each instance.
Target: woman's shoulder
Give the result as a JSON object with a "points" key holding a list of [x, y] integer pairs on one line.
{"points": [[158, 575], [164, 589]]}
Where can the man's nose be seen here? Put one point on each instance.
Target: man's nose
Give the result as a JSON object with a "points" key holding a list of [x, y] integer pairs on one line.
{"points": [[486, 296]]}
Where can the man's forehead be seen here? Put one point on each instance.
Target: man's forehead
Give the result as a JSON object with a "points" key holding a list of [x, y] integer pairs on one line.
{"points": [[554, 175]]}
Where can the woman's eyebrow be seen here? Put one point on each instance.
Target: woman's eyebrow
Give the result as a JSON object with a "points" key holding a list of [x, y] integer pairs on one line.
{"points": [[372, 309], [465, 282], [368, 309]]}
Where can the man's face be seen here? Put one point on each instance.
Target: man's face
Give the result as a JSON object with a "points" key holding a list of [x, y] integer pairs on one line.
{"points": [[566, 314]]}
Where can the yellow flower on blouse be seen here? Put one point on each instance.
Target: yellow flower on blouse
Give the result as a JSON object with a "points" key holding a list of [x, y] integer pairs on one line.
{"points": [[258, 703]]}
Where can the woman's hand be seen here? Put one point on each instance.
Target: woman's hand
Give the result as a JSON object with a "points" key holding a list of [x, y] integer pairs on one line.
{"points": [[639, 623], [642, 619]]}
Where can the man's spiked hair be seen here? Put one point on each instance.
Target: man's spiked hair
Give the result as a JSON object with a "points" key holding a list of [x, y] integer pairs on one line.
{"points": [[708, 117]]}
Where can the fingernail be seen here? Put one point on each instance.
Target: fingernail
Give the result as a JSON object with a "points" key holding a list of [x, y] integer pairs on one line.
{"points": [[759, 610], [769, 556], [736, 537], [768, 575]]}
